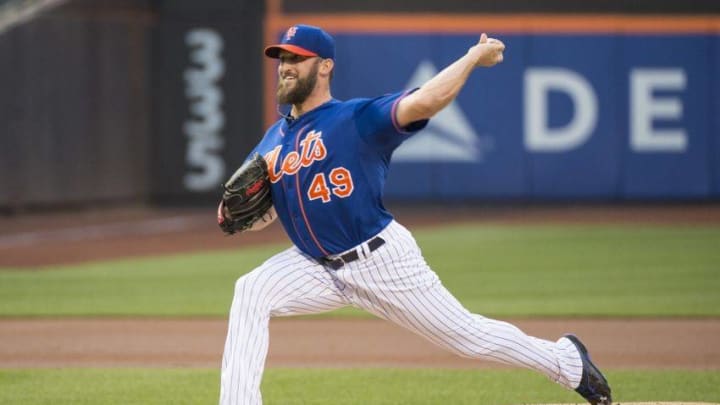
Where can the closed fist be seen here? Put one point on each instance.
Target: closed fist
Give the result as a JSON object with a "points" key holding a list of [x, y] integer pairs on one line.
{"points": [[487, 52]]}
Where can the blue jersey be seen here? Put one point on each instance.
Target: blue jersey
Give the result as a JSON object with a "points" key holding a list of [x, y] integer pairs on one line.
{"points": [[328, 169]]}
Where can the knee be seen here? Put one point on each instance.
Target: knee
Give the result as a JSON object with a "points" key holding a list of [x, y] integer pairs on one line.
{"points": [[247, 293], [243, 283]]}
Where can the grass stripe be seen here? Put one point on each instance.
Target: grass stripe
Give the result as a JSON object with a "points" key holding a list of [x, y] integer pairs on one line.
{"points": [[499, 271], [341, 386]]}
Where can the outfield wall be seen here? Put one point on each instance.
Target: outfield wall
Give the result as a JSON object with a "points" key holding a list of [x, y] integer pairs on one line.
{"points": [[74, 109], [582, 107], [127, 101]]}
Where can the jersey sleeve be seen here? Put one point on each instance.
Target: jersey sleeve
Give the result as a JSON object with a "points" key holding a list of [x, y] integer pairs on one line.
{"points": [[377, 124]]}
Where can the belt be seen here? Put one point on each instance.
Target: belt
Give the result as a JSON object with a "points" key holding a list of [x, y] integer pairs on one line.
{"points": [[339, 261]]}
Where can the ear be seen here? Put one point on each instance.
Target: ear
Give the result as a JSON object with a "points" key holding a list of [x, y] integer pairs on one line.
{"points": [[326, 66]]}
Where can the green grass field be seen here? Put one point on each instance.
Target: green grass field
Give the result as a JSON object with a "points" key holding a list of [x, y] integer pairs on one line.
{"points": [[340, 386], [493, 270], [601, 271]]}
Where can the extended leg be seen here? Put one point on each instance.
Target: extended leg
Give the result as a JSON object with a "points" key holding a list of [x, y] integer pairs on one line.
{"points": [[397, 284], [287, 284]]}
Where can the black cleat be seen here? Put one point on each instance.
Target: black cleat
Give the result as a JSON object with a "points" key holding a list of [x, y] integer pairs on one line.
{"points": [[593, 385]]}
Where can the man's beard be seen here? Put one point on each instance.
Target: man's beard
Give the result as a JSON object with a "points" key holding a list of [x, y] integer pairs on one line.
{"points": [[303, 87]]}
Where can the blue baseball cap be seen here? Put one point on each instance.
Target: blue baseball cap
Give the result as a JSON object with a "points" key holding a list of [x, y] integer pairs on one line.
{"points": [[304, 40]]}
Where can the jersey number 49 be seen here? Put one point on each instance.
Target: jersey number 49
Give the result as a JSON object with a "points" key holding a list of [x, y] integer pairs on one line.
{"points": [[340, 181]]}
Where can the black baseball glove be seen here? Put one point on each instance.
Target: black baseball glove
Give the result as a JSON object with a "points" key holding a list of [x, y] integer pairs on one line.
{"points": [[246, 196]]}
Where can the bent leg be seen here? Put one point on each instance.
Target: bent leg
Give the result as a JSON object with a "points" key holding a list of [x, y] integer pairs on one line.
{"points": [[287, 284], [396, 284]]}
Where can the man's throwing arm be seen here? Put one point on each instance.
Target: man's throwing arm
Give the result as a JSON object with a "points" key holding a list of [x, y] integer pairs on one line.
{"points": [[442, 89]]}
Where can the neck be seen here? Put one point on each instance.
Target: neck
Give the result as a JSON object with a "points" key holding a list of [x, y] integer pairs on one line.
{"points": [[316, 99]]}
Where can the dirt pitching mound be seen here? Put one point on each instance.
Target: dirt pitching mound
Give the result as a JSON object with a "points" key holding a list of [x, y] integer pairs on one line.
{"points": [[647, 403]]}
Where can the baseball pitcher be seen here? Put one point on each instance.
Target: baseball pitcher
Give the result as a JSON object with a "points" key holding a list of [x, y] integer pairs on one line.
{"points": [[321, 169]]}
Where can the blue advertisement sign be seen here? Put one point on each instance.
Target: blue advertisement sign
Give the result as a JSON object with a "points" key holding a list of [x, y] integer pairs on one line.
{"points": [[571, 97], [666, 116], [596, 116]]}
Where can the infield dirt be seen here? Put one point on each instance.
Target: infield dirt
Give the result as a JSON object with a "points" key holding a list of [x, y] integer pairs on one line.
{"points": [[644, 343]]}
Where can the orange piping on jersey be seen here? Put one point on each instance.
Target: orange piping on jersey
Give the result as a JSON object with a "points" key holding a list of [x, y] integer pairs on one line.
{"points": [[300, 200], [292, 220], [393, 114]]}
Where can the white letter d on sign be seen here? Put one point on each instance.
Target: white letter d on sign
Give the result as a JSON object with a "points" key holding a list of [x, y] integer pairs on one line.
{"points": [[539, 137]]}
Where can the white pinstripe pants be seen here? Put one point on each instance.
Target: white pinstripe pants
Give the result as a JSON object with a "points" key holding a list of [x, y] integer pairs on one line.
{"points": [[394, 283]]}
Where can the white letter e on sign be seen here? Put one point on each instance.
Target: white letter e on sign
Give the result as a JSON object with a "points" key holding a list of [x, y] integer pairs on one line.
{"points": [[644, 108]]}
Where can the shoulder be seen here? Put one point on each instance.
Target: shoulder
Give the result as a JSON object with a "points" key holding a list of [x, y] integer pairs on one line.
{"points": [[337, 110], [344, 104], [274, 127], [380, 106], [372, 103], [367, 100], [271, 135]]}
